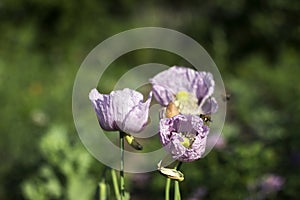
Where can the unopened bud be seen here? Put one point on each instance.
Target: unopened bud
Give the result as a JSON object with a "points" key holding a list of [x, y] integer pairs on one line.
{"points": [[170, 173]]}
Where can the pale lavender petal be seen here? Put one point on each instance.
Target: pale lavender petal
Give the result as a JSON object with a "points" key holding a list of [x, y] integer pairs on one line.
{"points": [[175, 147], [169, 125], [162, 95], [199, 144], [190, 123], [198, 125], [121, 110], [205, 85], [167, 83], [172, 131], [165, 130], [137, 118], [190, 155], [210, 106], [102, 106], [198, 147], [123, 101]]}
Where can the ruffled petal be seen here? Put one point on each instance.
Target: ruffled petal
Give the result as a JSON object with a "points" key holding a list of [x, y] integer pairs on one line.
{"points": [[190, 124], [174, 130], [167, 83], [210, 106], [205, 86], [200, 143], [102, 106], [165, 130], [189, 156], [196, 151], [123, 101], [162, 95], [137, 118], [175, 147], [121, 110]]}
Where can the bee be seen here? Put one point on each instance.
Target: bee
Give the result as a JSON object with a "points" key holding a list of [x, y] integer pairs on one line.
{"points": [[206, 118], [133, 142], [171, 110], [226, 97]]}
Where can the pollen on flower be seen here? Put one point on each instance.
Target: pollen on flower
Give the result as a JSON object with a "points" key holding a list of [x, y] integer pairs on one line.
{"points": [[186, 103], [188, 139], [184, 139], [186, 142], [191, 91], [182, 96]]}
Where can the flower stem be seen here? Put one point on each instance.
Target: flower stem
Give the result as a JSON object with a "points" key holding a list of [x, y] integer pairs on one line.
{"points": [[177, 195], [103, 190], [167, 189], [122, 183], [115, 184], [178, 165]]}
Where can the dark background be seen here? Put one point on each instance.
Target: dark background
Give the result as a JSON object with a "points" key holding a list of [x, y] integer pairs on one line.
{"points": [[255, 44]]}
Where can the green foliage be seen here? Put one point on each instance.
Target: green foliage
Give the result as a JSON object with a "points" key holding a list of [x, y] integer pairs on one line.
{"points": [[66, 172], [44, 186]]}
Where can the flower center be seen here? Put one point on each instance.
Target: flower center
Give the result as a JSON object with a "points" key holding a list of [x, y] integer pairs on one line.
{"points": [[188, 139], [187, 103]]}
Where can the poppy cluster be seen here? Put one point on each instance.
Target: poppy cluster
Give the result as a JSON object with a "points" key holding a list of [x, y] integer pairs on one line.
{"points": [[186, 97]]}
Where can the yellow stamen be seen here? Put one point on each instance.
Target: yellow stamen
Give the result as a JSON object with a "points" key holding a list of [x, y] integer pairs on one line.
{"points": [[182, 96], [186, 142]]}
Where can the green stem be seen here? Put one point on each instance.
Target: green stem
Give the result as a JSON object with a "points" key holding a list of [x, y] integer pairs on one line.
{"points": [[102, 185], [122, 183], [178, 165], [177, 195], [115, 184], [102, 190], [167, 189]]}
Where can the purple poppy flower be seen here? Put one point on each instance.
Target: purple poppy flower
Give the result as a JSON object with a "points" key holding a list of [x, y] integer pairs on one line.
{"points": [[191, 91], [184, 136], [271, 183], [121, 110]]}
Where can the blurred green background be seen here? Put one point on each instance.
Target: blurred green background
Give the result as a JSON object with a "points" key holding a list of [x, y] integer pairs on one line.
{"points": [[255, 44]]}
